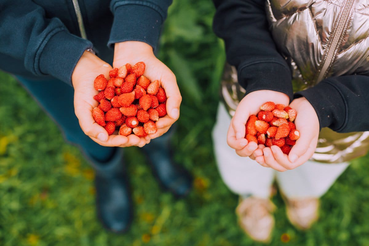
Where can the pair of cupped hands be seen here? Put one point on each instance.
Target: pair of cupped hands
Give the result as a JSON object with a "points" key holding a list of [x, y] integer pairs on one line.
{"points": [[90, 66], [306, 122]]}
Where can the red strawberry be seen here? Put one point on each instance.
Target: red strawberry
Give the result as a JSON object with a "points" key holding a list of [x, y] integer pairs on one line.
{"points": [[117, 82], [129, 68], [162, 97], [113, 73], [115, 102], [271, 131], [251, 138], [280, 113], [289, 141], [286, 149], [294, 135], [139, 131], [122, 72], [153, 114], [131, 110], [280, 106], [143, 82], [98, 116], [105, 105], [150, 127], [129, 83], [100, 82], [132, 122], [143, 116], [162, 110], [110, 83], [292, 113], [99, 96], [121, 121], [269, 142], [153, 88], [109, 92], [113, 115], [282, 131], [268, 106], [138, 68], [261, 139], [118, 91], [291, 125], [139, 92], [145, 102], [278, 142], [250, 125], [261, 126], [110, 127], [278, 122], [126, 99], [155, 101], [266, 116], [125, 130]]}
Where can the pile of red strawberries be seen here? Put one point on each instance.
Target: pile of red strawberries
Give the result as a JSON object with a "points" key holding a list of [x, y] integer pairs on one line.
{"points": [[129, 101], [273, 125]]}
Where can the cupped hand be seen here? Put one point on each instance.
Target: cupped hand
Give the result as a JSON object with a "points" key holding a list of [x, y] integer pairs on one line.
{"points": [[250, 105], [87, 69], [133, 52]]}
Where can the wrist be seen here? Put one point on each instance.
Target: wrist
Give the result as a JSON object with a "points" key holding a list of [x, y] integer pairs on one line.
{"points": [[132, 47]]}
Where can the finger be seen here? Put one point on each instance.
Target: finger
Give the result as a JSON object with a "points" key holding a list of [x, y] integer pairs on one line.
{"points": [[174, 98], [159, 133], [238, 123], [165, 122], [260, 160], [270, 161], [299, 149], [248, 150], [113, 141], [281, 158], [234, 143]]}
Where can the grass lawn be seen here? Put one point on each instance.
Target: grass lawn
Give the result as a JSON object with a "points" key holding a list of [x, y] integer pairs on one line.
{"points": [[46, 187]]}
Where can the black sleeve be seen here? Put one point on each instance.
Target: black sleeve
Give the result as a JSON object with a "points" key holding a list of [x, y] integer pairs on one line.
{"points": [[43, 44], [243, 26], [341, 103]]}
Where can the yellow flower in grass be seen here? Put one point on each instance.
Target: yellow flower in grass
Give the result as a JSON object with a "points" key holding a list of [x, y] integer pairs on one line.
{"points": [[73, 164], [33, 239], [89, 174], [147, 217], [285, 237], [200, 184], [146, 238]]}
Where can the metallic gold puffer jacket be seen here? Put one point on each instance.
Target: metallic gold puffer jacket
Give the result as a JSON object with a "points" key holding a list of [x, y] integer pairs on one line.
{"points": [[320, 38]]}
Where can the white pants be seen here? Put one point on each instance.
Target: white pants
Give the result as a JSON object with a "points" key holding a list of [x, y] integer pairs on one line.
{"points": [[244, 176]]}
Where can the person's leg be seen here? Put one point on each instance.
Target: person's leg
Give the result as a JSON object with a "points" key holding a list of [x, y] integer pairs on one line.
{"points": [[302, 188], [246, 178], [56, 98]]}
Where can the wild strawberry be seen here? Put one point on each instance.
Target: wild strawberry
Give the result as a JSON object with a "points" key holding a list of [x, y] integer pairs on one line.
{"points": [[251, 138], [132, 122], [289, 141], [118, 91], [100, 82], [117, 82], [269, 142], [153, 88], [266, 116], [294, 135], [150, 127], [125, 130], [139, 92], [113, 115], [131, 110], [122, 72], [138, 68], [280, 106], [109, 92], [110, 127], [291, 125], [143, 82], [129, 68], [261, 126], [105, 105], [99, 96], [115, 102], [282, 131], [286, 149], [153, 114], [278, 122], [162, 109], [98, 116], [154, 102], [121, 121], [279, 142], [162, 97], [139, 131], [126, 99], [145, 102], [250, 125], [292, 113], [268, 106], [129, 83], [143, 116], [110, 83], [280, 113], [261, 139], [113, 73], [271, 131]]}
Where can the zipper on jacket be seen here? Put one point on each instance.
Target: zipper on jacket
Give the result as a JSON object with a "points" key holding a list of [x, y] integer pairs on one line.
{"points": [[342, 22], [79, 19]]}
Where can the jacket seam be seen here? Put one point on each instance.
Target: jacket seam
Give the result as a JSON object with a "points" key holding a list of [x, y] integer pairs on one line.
{"points": [[260, 62], [150, 5]]}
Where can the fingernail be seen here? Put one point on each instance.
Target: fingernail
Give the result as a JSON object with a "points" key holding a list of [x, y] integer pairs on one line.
{"points": [[102, 137], [293, 157], [175, 113], [243, 142]]}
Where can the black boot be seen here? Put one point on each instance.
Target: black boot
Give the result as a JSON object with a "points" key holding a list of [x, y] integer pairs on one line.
{"points": [[113, 197], [171, 176]]}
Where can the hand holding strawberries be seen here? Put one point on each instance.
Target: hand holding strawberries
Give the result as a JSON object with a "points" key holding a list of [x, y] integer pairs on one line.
{"points": [[133, 52]]}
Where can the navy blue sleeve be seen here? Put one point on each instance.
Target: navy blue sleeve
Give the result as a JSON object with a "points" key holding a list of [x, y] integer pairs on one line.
{"points": [[44, 44], [138, 20], [243, 26]]}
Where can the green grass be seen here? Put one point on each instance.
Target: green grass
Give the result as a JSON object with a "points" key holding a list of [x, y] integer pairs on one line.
{"points": [[46, 187]]}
